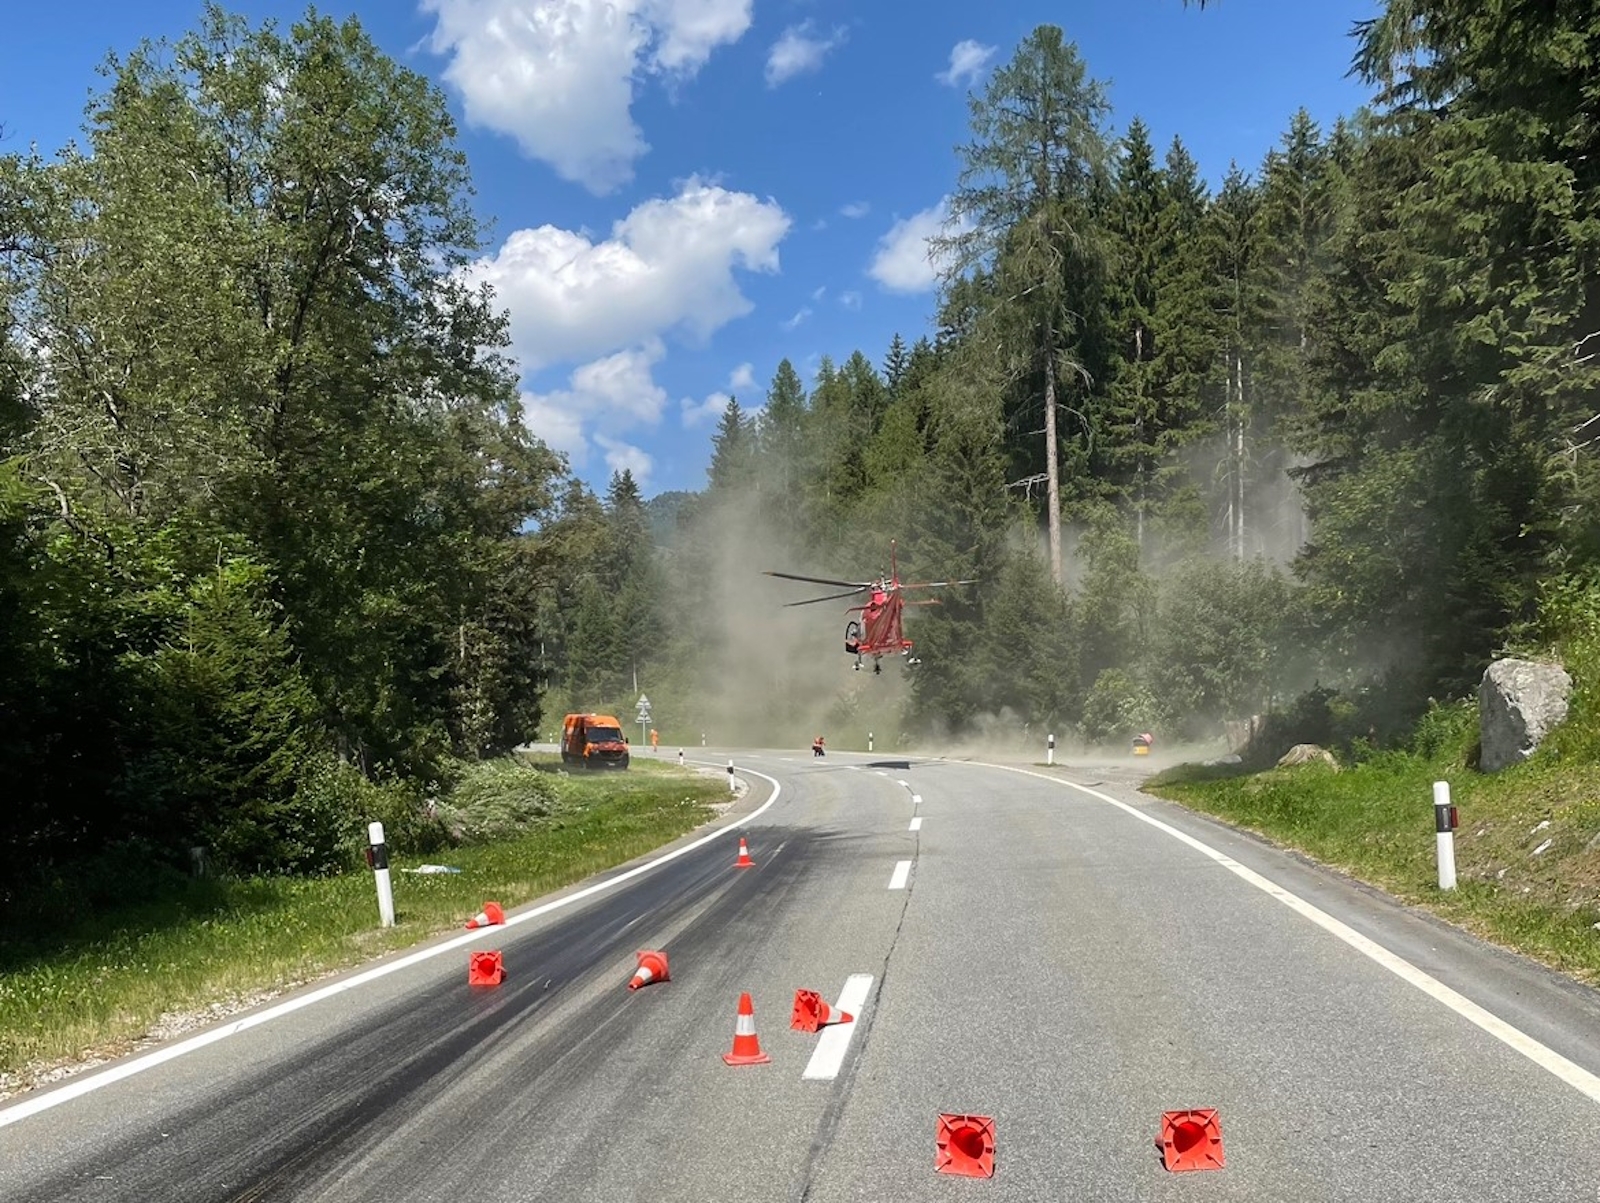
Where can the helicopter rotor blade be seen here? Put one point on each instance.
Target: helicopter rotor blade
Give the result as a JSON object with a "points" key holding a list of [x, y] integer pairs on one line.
{"points": [[939, 584], [811, 601], [820, 580]]}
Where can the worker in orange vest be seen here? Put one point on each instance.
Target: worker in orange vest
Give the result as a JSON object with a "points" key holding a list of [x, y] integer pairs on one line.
{"points": [[655, 740]]}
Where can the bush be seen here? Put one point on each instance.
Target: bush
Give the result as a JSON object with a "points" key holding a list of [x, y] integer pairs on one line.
{"points": [[497, 799], [1118, 706], [1447, 731], [1570, 621]]}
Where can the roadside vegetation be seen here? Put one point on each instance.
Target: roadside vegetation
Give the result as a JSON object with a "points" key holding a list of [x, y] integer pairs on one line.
{"points": [[1528, 843], [78, 983], [280, 553]]}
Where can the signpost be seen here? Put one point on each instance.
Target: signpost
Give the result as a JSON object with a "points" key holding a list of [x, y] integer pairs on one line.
{"points": [[643, 715]]}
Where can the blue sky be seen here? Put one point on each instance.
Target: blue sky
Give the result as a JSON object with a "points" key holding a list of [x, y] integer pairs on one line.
{"points": [[683, 192]]}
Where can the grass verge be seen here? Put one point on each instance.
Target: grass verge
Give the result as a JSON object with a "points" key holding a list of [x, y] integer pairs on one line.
{"points": [[91, 991], [1527, 850]]}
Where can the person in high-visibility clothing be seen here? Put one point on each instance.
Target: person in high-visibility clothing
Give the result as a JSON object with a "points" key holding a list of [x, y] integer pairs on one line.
{"points": [[655, 740]]}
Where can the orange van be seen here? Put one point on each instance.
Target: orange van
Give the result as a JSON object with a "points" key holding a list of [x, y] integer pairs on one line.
{"points": [[593, 741]]}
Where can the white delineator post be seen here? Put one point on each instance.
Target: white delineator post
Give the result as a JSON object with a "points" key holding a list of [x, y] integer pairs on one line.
{"points": [[869, 741], [680, 758], [1050, 750], [378, 856], [732, 788], [1444, 826]]}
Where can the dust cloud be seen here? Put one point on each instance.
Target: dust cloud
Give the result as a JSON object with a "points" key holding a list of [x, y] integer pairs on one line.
{"points": [[777, 675]]}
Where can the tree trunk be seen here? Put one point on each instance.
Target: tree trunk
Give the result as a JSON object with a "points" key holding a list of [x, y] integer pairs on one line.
{"points": [[1052, 473], [1238, 459]]}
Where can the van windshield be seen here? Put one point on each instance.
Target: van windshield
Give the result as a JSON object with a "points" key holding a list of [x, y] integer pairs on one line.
{"points": [[600, 735]]}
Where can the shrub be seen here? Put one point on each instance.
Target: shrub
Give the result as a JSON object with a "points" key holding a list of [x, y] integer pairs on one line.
{"points": [[340, 795], [1570, 618], [1117, 707], [1447, 731], [496, 799]]}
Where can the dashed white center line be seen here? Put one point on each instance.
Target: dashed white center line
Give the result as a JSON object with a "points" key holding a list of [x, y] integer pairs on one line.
{"points": [[881, 773], [916, 824], [916, 799], [907, 784], [835, 1039], [902, 870]]}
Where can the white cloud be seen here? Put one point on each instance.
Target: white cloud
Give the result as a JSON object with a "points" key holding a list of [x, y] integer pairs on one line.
{"points": [[607, 395], [798, 52], [850, 300], [904, 262], [617, 389], [820, 291], [800, 315], [967, 61], [559, 76], [668, 266], [855, 209], [701, 413], [620, 456], [558, 425], [691, 29]]}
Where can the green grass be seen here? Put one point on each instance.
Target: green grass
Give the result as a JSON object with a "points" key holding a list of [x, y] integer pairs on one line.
{"points": [[1375, 822], [98, 987]]}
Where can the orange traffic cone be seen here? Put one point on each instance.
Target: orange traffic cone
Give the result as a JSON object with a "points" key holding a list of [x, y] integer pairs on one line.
{"points": [[964, 1144], [490, 916], [485, 969], [652, 968], [1191, 1140], [811, 1013], [746, 1046], [744, 861]]}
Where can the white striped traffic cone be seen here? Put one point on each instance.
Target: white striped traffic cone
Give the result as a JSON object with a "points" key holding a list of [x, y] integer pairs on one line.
{"points": [[746, 1045], [652, 968]]}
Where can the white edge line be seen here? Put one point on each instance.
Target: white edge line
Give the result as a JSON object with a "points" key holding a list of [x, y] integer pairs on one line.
{"points": [[1546, 1058], [126, 1069], [902, 870], [835, 1039], [916, 823]]}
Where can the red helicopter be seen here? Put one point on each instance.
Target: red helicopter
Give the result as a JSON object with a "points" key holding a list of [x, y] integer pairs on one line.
{"points": [[877, 633]]}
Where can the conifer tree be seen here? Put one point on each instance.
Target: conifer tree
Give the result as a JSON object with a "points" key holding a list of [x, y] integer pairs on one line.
{"points": [[895, 364], [1023, 212], [733, 455]]}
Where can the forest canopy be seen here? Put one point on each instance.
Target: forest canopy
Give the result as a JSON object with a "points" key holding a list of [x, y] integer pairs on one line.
{"points": [[281, 553]]}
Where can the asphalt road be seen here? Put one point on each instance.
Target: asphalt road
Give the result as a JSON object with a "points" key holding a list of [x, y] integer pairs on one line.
{"points": [[1048, 960]]}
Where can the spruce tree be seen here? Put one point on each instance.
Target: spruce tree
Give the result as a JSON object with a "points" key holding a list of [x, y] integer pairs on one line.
{"points": [[1026, 195]]}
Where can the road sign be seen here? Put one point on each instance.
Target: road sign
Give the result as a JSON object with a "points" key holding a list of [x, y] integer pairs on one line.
{"points": [[644, 708]]}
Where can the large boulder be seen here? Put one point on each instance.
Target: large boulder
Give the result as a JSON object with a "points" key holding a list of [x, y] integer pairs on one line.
{"points": [[1519, 703], [1307, 754]]}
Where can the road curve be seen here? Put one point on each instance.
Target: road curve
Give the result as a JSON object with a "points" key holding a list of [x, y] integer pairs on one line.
{"points": [[1023, 950]]}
